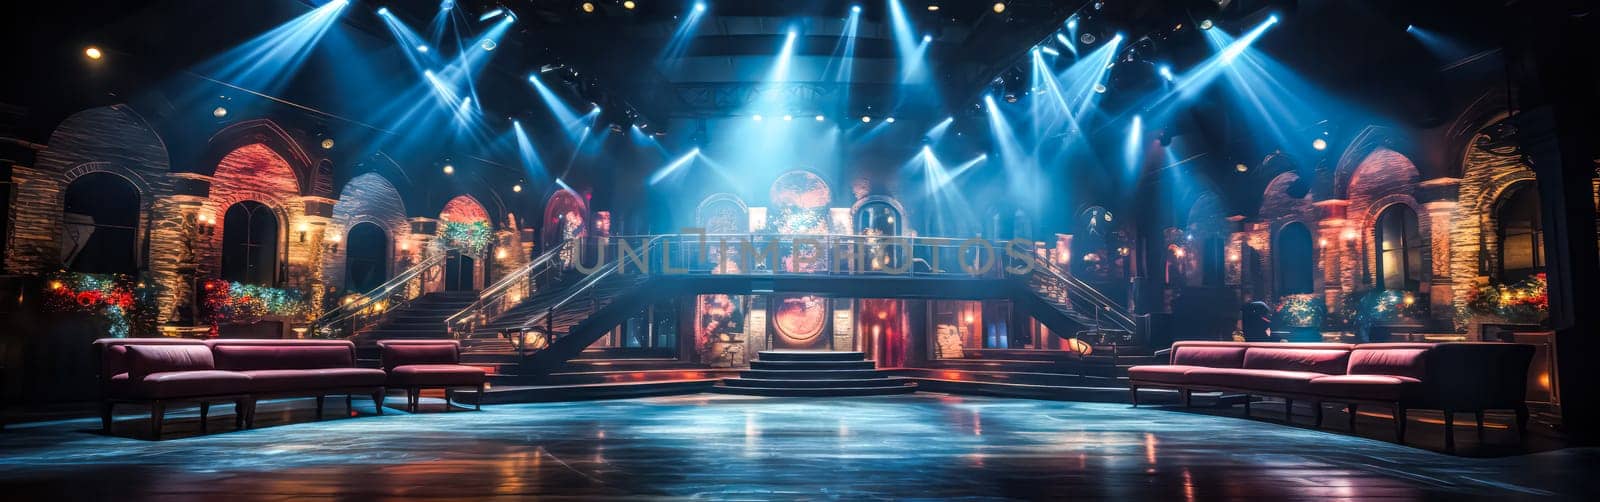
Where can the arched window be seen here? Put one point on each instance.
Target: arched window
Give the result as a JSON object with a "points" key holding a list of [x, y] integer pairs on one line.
{"points": [[366, 257], [877, 218], [250, 244], [1293, 260], [1399, 249], [1521, 233], [100, 225]]}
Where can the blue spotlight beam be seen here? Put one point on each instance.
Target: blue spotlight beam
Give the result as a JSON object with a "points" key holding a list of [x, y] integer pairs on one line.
{"points": [[673, 166], [267, 62], [563, 113]]}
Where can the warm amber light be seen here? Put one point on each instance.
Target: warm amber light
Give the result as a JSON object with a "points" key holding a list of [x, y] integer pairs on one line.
{"points": [[628, 4], [588, 6], [449, 169], [93, 52], [327, 143], [999, 7]]}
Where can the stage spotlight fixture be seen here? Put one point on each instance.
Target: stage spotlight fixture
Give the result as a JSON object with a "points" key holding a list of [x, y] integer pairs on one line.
{"points": [[93, 52], [628, 4], [1086, 38], [1165, 71], [487, 44], [327, 143], [1072, 24], [756, 117], [1319, 144], [1241, 167], [587, 7], [820, 118], [219, 112], [866, 118], [423, 48], [787, 117], [383, 11], [999, 7], [1205, 24], [517, 188], [699, 6], [856, 9], [1100, 88], [889, 120], [927, 38], [933, 7], [449, 169]]}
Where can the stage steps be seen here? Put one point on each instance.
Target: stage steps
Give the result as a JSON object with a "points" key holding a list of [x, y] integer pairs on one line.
{"points": [[813, 374]]}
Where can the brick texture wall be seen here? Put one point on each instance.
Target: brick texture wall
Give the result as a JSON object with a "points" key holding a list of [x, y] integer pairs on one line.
{"points": [[366, 198], [1486, 174]]}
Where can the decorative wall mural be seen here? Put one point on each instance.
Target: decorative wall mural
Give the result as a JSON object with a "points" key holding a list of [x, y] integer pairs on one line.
{"points": [[565, 215], [799, 322], [801, 199]]}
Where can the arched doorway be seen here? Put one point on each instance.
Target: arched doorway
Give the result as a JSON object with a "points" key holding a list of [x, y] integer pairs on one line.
{"points": [[464, 224], [1293, 262], [565, 217], [366, 257], [1520, 232], [250, 244], [100, 225], [880, 216]]}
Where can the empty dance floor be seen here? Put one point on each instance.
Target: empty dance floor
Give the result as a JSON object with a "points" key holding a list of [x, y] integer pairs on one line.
{"points": [[723, 447]]}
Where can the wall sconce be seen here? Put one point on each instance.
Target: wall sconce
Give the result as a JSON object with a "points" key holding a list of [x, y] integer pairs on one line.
{"points": [[204, 224], [1323, 242], [1349, 235], [303, 228], [332, 242], [499, 253]]}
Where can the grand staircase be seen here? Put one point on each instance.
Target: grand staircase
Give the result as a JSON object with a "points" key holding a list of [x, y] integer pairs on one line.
{"points": [[1068, 305], [814, 373]]}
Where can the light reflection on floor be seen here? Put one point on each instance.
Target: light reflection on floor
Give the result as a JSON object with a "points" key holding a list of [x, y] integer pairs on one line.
{"points": [[758, 448]]}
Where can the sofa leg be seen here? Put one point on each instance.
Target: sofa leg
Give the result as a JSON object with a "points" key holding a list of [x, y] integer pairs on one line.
{"points": [[1247, 406], [205, 410], [1353, 415], [238, 414], [478, 405], [1449, 430], [348, 407], [1185, 395], [415, 399], [158, 411], [1288, 410], [1479, 416], [1522, 419], [250, 413], [448, 404], [1133, 393], [1316, 413], [377, 399], [1399, 424], [319, 406], [106, 409]]}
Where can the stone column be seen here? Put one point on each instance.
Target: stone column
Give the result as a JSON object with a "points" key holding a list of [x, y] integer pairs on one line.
{"points": [[1337, 252]]}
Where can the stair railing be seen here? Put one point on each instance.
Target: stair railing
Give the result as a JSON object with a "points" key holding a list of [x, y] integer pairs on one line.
{"points": [[611, 266], [367, 309], [1082, 297], [509, 290]]}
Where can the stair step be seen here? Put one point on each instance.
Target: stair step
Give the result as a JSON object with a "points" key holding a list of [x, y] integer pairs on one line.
{"points": [[815, 384], [829, 392], [812, 365], [809, 374], [809, 355]]}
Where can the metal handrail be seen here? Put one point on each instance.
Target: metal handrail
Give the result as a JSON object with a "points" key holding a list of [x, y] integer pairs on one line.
{"points": [[495, 293], [368, 304], [582, 287], [1103, 305]]}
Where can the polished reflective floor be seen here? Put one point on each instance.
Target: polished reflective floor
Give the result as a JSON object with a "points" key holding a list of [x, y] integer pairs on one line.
{"points": [[725, 447]]}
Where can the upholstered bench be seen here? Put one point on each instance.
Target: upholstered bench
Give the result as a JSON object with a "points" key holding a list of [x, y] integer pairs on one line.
{"points": [[429, 364], [1451, 377], [299, 368]]}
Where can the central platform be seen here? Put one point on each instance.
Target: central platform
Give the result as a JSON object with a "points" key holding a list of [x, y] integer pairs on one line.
{"points": [[795, 373]]}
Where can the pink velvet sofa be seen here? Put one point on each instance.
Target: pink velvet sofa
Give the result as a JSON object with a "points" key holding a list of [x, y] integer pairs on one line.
{"points": [[161, 371], [1451, 377], [414, 365]]}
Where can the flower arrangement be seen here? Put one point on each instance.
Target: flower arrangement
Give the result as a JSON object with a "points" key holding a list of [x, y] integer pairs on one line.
{"points": [[1365, 308], [127, 306], [1300, 311], [472, 237], [1526, 301], [233, 302]]}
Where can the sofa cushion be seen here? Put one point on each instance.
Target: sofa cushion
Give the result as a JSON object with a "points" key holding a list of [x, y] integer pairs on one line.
{"points": [[1373, 387], [1212, 356], [427, 375], [313, 379], [1326, 361], [1294, 382], [1406, 360], [187, 384], [1160, 374], [242, 357], [114, 352], [147, 359], [410, 352]]}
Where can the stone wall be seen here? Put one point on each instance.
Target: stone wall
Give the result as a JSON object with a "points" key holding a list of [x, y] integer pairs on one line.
{"points": [[1487, 172], [366, 198]]}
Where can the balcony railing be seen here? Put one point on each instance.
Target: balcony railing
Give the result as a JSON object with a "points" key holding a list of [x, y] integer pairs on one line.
{"points": [[368, 309]]}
